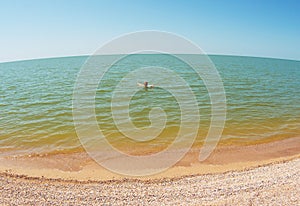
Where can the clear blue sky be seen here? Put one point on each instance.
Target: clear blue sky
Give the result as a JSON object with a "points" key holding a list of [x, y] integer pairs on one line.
{"points": [[40, 28]]}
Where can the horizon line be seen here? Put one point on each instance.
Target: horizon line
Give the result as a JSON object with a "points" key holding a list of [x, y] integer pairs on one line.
{"points": [[87, 55]]}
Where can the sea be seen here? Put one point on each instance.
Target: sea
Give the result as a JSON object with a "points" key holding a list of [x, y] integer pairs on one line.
{"points": [[262, 97]]}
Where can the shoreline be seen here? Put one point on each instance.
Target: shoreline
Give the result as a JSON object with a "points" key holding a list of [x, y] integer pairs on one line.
{"points": [[79, 167], [279, 161]]}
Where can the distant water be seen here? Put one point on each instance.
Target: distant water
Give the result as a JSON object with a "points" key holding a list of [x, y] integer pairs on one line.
{"points": [[263, 102]]}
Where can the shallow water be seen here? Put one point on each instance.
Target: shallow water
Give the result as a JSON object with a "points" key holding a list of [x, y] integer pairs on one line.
{"points": [[263, 101]]}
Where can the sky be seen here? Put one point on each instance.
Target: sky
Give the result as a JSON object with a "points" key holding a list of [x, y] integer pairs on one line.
{"points": [[31, 29]]}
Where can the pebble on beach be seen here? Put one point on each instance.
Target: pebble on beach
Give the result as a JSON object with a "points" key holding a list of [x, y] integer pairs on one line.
{"points": [[274, 184]]}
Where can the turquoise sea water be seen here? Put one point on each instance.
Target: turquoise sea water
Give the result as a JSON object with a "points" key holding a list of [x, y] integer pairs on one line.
{"points": [[263, 101]]}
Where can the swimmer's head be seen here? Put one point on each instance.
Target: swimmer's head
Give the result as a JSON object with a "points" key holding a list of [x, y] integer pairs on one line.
{"points": [[145, 84]]}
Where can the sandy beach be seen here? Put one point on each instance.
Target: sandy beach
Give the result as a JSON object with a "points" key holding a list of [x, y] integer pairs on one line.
{"points": [[261, 174], [274, 184]]}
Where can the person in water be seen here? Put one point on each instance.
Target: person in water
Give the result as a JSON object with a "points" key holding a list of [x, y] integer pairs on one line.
{"points": [[146, 85]]}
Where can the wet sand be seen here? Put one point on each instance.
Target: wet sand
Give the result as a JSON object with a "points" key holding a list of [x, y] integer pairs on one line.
{"points": [[262, 174], [79, 166]]}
